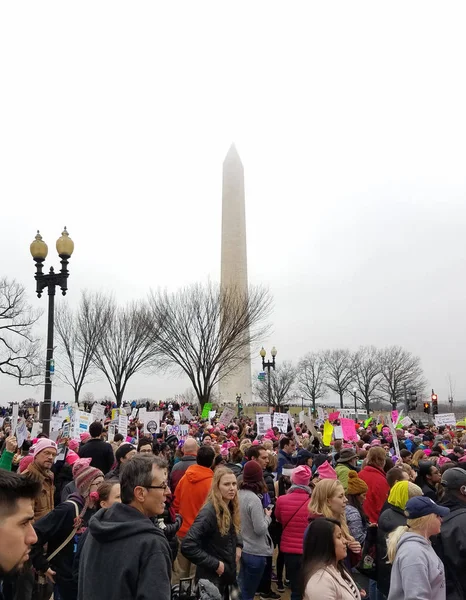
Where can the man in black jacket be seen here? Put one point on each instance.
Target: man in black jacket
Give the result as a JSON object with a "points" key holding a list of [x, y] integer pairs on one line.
{"points": [[100, 452], [451, 543], [123, 542]]}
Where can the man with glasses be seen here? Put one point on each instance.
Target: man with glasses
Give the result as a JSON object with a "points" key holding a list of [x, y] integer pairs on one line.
{"points": [[44, 453], [125, 555]]}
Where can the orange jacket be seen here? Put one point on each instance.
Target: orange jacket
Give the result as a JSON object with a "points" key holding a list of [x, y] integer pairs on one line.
{"points": [[191, 493]]}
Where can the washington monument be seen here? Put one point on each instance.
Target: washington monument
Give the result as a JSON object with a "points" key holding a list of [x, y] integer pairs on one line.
{"points": [[234, 266]]}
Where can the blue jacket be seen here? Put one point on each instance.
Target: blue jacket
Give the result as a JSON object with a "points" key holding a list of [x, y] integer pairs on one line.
{"points": [[284, 459]]}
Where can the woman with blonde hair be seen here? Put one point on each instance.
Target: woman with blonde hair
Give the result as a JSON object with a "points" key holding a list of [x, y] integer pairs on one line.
{"points": [[213, 542], [417, 457], [329, 500], [417, 571]]}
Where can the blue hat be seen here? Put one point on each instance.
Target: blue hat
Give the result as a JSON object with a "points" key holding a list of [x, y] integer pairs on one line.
{"points": [[421, 506]]}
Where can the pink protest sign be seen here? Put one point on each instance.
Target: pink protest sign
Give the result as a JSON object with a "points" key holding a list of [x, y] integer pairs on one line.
{"points": [[333, 416], [349, 430], [395, 416]]}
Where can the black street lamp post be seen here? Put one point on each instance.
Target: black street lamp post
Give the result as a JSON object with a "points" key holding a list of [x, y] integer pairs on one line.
{"points": [[268, 365], [39, 250]]}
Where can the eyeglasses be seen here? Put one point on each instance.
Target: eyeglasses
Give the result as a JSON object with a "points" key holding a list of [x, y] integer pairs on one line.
{"points": [[148, 451], [162, 486]]}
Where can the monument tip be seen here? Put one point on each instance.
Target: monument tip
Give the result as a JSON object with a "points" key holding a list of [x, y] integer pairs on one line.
{"points": [[232, 154]]}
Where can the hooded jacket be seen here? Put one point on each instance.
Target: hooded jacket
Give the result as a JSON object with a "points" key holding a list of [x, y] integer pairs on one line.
{"points": [[190, 495], [376, 494], [43, 504], [450, 545], [417, 571], [389, 520], [123, 542]]}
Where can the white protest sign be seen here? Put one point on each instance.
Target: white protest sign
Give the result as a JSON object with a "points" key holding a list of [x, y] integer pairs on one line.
{"points": [[176, 416], [280, 420], [55, 423], [98, 412], [396, 445], [134, 414], [14, 418], [320, 413], [406, 422], [264, 423], [212, 414], [226, 416], [152, 421], [290, 417], [187, 414], [123, 424], [184, 430], [111, 433], [21, 432], [337, 432], [142, 414], [445, 419], [1, 421], [301, 416], [66, 430], [345, 412]]}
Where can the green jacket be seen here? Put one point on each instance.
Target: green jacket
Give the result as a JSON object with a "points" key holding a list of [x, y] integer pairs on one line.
{"points": [[6, 460]]}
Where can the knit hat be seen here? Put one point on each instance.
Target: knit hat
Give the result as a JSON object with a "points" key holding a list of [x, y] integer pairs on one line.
{"points": [[326, 471], [355, 484], [301, 475], [399, 494], [84, 475], [73, 445], [71, 457], [43, 444], [84, 436], [25, 462], [252, 472]]}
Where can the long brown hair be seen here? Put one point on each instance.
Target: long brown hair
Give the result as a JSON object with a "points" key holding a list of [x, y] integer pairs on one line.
{"points": [[227, 514]]}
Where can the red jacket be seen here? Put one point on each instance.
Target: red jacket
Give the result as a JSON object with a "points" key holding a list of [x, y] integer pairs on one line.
{"points": [[377, 493], [291, 511]]}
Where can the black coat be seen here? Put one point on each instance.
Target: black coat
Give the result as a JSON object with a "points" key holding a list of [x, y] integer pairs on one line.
{"points": [[205, 547], [450, 545], [270, 482], [389, 520], [100, 452]]}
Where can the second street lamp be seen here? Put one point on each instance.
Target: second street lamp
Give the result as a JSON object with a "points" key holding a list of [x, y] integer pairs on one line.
{"points": [[355, 403], [268, 365], [39, 251]]}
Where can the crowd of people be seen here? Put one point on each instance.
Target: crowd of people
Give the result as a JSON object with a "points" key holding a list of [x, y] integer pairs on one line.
{"points": [[226, 513]]}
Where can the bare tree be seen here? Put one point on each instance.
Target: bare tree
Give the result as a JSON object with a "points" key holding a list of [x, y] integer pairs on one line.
{"points": [[206, 331], [126, 346], [79, 333], [311, 377], [400, 368], [339, 369], [20, 355], [282, 381], [367, 374]]}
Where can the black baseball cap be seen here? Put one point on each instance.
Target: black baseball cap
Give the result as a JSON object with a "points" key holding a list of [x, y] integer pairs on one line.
{"points": [[421, 506]]}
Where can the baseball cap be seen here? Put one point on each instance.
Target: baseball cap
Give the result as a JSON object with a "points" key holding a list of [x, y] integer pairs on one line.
{"points": [[454, 478], [422, 506]]}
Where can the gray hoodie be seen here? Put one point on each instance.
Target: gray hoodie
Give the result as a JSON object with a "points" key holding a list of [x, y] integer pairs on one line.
{"points": [[417, 573]]}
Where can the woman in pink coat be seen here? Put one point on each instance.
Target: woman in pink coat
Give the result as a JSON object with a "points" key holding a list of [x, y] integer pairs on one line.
{"points": [[292, 512]]}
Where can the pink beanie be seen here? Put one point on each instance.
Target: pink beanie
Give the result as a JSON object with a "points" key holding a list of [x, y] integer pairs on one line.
{"points": [[326, 471], [84, 475], [25, 462], [73, 445], [71, 457], [375, 443], [84, 436], [301, 475], [43, 444]]}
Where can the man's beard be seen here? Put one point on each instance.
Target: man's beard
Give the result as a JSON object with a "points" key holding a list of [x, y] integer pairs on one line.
{"points": [[18, 568]]}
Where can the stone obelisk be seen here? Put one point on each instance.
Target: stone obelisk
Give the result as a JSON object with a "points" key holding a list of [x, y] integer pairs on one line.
{"points": [[234, 266]]}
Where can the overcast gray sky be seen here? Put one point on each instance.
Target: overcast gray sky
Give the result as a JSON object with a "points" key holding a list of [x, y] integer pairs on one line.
{"points": [[350, 121]]}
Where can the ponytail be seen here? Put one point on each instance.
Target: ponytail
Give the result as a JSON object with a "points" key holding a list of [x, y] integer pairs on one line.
{"points": [[392, 543]]}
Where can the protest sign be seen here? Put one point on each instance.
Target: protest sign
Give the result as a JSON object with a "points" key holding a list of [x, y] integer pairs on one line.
{"points": [[98, 412], [66, 430], [14, 418], [349, 430], [142, 414], [406, 422], [176, 416], [21, 432], [328, 430], [123, 424], [334, 416], [152, 421], [212, 414], [134, 414], [187, 414], [205, 410], [36, 429], [310, 425], [301, 416], [367, 421], [346, 413], [395, 416], [226, 417], [280, 420], [396, 445], [320, 413], [184, 430], [111, 433], [338, 432], [264, 423], [445, 419]]}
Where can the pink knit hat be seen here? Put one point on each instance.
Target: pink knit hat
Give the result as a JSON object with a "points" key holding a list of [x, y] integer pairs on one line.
{"points": [[73, 445], [84, 436], [326, 471], [43, 444], [301, 475], [71, 457], [25, 462]]}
